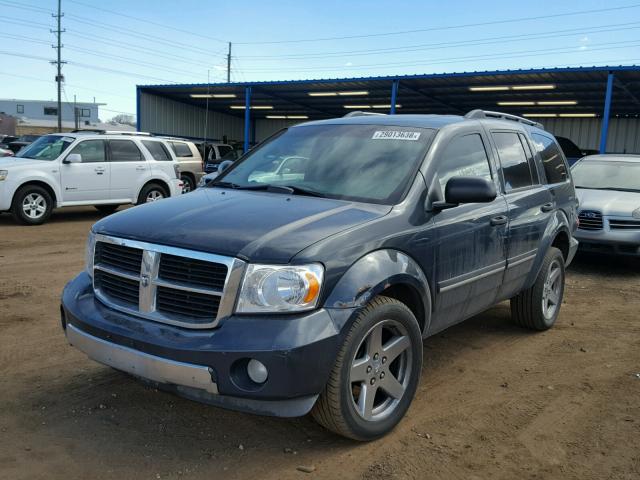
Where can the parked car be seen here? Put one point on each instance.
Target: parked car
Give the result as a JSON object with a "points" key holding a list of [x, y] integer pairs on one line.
{"points": [[6, 140], [314, 293], [5, 152], [190, 160], [571, 151], [608, 188], [217, 154], [105, 170], [22, 141]]}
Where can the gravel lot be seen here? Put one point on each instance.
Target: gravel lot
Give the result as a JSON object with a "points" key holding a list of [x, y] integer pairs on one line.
{"points": [[495, 401]]}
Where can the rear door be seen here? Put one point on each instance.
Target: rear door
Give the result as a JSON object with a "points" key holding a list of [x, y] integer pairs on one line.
{"points": [[129, 169], [530, 206], [89, 180], [470, 246]]}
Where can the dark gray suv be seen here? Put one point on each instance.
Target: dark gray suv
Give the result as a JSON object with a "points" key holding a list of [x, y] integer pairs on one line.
{"points": [[306, 276]]}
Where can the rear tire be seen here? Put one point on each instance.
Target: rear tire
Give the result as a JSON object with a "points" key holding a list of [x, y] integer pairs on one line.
{"points": [[151, 192], [106, 209], [189, 183], [538, 307], [376, 373], [32, 205]]}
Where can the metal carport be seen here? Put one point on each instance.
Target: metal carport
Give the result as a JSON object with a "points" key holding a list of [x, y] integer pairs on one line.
{"points": [[580, 99]]}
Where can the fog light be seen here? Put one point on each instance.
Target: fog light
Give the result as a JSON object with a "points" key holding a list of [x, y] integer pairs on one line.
{"points": [[257, 371]]}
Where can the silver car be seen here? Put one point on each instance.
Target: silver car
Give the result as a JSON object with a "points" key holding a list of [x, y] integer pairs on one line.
{"points": [[608, 189]]}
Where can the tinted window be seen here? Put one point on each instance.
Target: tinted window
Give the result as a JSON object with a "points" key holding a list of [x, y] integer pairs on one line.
{"points": [[464, 156], [91, 150], [50, 111], [513, 159], [157, 150], [554, 167], [224, 150], [370, 163], [181, 149], [569, 148], [530, 158], [124, 151]]}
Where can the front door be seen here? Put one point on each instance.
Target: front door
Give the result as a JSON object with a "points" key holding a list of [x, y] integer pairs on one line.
{"points": [[470, 246], [530, 207], [129, 170], [88, 180]]}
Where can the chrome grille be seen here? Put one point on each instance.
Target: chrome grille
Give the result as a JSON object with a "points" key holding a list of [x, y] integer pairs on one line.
{"points": [[616, 224], [166, 284], [590, 220]]}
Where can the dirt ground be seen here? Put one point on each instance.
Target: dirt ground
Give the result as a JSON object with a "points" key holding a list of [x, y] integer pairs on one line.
{"points": [[495, 401]]}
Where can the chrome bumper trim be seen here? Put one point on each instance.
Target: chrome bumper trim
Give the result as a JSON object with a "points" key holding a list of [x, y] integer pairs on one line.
{"points": [[156, 369]]}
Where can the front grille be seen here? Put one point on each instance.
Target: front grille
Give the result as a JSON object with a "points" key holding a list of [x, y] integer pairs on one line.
{"points": [[590, 220], [615, 224], [117, 287], [170, 285], [118, 256], [192, 271], [190, 304]]}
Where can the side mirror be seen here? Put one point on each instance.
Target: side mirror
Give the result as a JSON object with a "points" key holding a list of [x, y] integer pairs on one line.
{"points": [[224, 165], [467, 190], [73, 158]]}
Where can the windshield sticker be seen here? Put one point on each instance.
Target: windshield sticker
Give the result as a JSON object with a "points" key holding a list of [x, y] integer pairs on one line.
{"points": [[395, 135]]}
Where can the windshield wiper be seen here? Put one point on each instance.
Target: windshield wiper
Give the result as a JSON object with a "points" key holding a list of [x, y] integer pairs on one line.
{"points": [[300, 190], [236, 186], [290, 189], [619, 189]]}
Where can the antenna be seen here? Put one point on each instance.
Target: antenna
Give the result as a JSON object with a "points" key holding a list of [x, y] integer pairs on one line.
{"points": [[59, 62]]}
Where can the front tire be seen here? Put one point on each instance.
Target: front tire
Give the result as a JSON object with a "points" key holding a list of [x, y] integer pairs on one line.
{"points": [[32, 205], [538, 307], [152, 192], [376, 373]]}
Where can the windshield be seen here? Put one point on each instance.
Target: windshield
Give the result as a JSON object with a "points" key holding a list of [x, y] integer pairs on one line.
{"points": [[369, 163], [48, 147], [607, 175]]}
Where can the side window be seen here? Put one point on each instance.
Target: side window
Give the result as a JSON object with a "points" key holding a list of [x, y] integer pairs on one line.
{"points": [[181, 149], [531, 159], [124, 151], [464, 156], [224, 151], [19, 108], [554, 166], [513, 160], [92, 151], [157, 150]]}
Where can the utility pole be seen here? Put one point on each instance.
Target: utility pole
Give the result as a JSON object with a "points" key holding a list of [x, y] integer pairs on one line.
{"points": [[59, 62], [75, 114], [229, 64]]}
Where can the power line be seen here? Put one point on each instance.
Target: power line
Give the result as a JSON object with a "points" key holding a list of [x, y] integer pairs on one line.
{"points": [[448, 27], [150, 22], [455, 44]]}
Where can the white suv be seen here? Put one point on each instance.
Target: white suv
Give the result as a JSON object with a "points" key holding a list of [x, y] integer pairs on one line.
{"points": [[71, 169]]}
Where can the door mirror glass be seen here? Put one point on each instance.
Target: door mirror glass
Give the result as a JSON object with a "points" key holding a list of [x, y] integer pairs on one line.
{"points": [[467, 190], [73, 158]]}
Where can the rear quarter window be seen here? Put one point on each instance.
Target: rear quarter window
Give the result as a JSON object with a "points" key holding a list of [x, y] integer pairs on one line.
{"points": [[157, 150], [181, 149], [555, 168]]}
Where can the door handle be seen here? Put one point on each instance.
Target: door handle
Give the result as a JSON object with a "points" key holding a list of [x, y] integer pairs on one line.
{"points": [[547, 207], [99, 170], [140, 168], [499, 220]]}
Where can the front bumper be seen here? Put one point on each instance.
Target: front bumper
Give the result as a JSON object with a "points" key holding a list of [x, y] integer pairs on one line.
{"points": [[210, 366], [607, 240]]}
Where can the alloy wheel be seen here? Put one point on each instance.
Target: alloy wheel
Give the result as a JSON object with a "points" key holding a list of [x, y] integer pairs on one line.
{"points": [[552, 290], [34, 206], [154, 196]]}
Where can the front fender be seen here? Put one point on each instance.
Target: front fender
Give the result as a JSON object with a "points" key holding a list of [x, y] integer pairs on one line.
{"points": [[51, 179], [375, 272]]}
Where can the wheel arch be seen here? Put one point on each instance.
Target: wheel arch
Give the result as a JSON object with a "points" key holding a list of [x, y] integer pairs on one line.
{"points": [[39, 183], [158, 181], [386, 272]]}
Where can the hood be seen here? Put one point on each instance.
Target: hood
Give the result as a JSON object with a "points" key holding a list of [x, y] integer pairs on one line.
{"points": [[256, 226], [609, 202], [12, 162]]}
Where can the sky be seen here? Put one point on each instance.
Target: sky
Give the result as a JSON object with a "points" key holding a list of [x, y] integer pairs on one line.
{"points": [[113, 46]]}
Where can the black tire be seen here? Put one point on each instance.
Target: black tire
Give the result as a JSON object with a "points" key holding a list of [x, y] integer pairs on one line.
{"points": [[336, 408], [528, 308], [189, 183], [41, 206], [106, 209], [151, 189]]}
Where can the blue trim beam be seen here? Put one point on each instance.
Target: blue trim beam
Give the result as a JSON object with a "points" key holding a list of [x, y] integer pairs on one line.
{"points": [[247, 118], [394, 96], [604, 132]]}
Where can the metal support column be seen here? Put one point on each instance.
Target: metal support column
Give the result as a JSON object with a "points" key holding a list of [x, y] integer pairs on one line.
{"points": [[394, 96], [605, 115], [247, 118]]}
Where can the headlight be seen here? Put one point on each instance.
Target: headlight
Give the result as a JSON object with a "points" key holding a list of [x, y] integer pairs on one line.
{"points": [[280, 288], [89, 252], [3, 174], [635, 214]]}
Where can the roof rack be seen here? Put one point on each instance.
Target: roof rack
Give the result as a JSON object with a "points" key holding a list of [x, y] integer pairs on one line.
{"points": [[111, 132], [359, 113], [477, 114]]}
